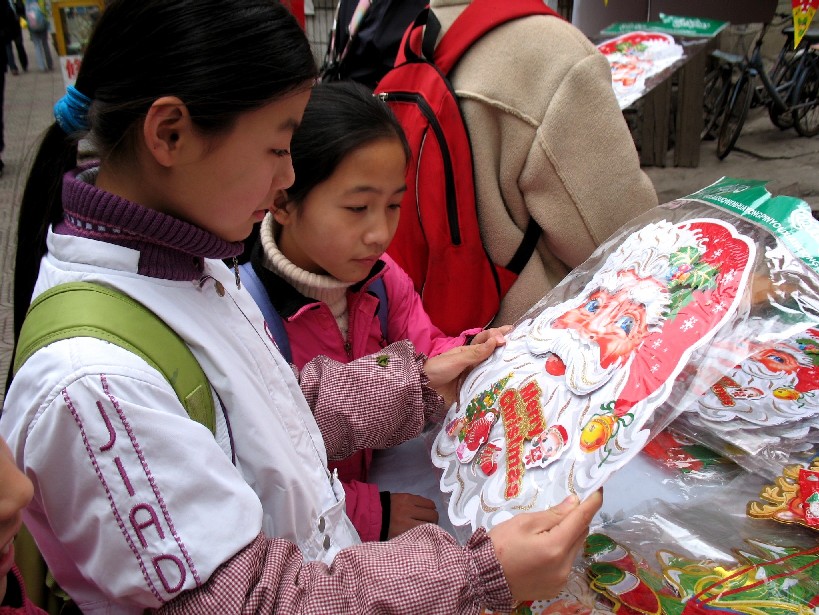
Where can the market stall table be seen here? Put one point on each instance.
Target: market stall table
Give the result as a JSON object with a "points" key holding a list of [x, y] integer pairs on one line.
{"points": [[657, 106]]}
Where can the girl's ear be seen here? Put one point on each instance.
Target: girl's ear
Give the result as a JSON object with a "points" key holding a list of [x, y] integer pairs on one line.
{"points": [[166, 129], [281, 213]]}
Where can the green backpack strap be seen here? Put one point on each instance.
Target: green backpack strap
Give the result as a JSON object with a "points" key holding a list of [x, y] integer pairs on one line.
{"points": [[83, 309]]}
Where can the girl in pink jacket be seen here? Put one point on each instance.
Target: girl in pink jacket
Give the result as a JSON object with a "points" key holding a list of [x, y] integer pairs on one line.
{"points": [[320, 259]]}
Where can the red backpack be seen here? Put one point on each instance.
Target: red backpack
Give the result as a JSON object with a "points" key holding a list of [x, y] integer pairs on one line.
{"points": [[440, 247]]}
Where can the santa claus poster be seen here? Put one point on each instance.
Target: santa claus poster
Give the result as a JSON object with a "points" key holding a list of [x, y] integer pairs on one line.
{"points": [[568, 400], [764, 412], [635, 57]]}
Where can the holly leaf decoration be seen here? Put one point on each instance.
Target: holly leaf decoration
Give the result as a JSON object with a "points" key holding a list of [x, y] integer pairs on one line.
{"points": [[483, 401], [688, 273], [810, 347]]}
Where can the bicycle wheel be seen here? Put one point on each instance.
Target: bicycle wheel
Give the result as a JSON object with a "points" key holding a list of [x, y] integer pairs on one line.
{"points": [[806, 102], [736, 110], [786, 74], [717, 87]]}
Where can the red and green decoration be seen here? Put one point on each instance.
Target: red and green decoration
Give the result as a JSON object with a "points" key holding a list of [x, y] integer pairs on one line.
{"points": [[803, 12], [784, 500], [633, 43], [767, 580], [702, 285], [479, 406], [678, 453], [688, 273]]}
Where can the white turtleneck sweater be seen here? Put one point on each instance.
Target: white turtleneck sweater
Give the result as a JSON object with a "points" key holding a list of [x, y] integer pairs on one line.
{"points": [[325, 288]]}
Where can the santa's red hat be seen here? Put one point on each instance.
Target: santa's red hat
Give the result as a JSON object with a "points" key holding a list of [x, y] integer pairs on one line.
{"points": [[561, 431]]}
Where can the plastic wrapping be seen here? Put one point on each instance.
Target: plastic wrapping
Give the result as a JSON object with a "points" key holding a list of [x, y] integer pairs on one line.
{"points": [[676, 452], [698, 557], [635, 335], [764, 412], [707, 557]]}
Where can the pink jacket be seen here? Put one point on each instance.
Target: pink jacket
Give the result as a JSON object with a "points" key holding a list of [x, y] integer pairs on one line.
{"points": [[312, 331], [15, 602]]}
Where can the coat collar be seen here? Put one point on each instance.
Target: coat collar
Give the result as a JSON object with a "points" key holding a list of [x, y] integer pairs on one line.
{"points": [[286, 300]]}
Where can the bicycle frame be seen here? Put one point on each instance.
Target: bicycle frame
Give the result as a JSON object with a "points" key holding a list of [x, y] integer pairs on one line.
{"points": [[756, 68]]}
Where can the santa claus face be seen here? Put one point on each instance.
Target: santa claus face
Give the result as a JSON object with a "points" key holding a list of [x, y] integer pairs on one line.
{"points": [[611, 320], [776, 360], [551, 444], [545, 447]]}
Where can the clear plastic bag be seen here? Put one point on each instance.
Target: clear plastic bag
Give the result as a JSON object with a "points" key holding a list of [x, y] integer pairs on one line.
{"points": [[631, 338], [705, 557]]}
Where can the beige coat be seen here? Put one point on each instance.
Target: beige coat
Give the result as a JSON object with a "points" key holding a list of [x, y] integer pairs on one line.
{"points": [[549, 141]]}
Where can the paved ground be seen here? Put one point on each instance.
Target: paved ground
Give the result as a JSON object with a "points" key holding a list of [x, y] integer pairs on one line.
{"points": [[29, 98], [791, 163]]}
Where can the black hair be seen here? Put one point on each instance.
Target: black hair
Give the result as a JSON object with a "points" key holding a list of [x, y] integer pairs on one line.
{"points": [[220, 57], [340, 117]]}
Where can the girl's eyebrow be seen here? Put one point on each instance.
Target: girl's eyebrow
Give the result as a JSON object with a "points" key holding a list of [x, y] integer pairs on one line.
{"points": [[366, 189], [289, 124]]}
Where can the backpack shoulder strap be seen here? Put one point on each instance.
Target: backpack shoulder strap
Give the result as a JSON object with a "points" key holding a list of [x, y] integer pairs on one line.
{"points": [[526, 248], [83, 309], [271, 316], [477, 19], [380, 290]]}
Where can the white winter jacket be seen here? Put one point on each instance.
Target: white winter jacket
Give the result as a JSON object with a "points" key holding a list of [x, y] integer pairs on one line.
{"points": [[122, 426]]}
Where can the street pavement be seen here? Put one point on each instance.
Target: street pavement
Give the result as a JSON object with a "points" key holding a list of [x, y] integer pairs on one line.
{"points": [[29, 100], [763, 151], [790, 162]]}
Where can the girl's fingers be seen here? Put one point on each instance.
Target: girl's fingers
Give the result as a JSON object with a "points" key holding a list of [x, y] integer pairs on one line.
{"points": [[574, 523]]}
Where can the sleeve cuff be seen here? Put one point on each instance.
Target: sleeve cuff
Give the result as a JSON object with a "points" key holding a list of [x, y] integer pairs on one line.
{"points": [[496, 593], [434, 410], [385, 515]]}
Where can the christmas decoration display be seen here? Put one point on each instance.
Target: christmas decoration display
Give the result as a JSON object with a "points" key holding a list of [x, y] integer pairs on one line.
{"points": [[643, 330], [635, 57], [765, 579], [703, 557], [792, 498], [764, 412]]}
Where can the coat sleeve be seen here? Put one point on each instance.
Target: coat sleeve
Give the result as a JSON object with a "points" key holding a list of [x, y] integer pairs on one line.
{"points": [[421, 571], [363, 505], [409, 320], [583, 174], [116, 444], [377, 401]]}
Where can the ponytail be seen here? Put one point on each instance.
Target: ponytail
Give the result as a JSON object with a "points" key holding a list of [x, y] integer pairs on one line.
{"points": [[40, 208]]}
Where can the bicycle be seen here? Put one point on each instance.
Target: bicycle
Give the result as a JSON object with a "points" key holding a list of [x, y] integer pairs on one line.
{"points": [[789, 90], [719, 79], [718, 82]]}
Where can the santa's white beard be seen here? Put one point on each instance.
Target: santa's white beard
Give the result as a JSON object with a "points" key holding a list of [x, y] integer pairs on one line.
{"points": [[482, 500], [581, 357]]}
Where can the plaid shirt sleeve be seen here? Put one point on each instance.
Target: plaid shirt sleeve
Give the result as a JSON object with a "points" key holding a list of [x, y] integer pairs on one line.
{"points": [[377, 401], [422, 571]]}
